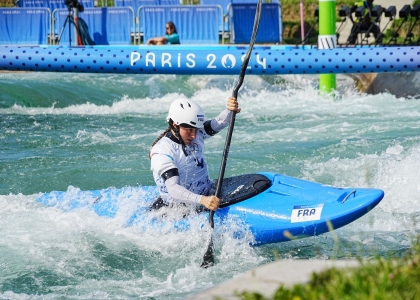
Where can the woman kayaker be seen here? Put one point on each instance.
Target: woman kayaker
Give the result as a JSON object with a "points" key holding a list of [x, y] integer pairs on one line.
{"points": [[177, 156]]}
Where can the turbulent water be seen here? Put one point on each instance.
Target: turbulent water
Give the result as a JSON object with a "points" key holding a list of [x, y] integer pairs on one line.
{"points": [[84, 131]]}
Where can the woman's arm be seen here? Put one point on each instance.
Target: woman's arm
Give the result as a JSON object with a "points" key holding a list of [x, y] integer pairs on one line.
{"points": [[160, 40], [223, 119], [179, 192]]}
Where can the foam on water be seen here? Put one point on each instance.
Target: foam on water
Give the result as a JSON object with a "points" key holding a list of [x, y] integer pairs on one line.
{"points": [[77, 253]]}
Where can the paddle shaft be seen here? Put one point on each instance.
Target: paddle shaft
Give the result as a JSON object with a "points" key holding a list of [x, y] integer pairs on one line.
{"points": [[226, 149], [208, 259], [233, 118]]}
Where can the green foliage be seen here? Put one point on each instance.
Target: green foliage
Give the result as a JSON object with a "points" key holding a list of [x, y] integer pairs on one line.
{"points": [[382, 278], [7, 3], [291, 19], [403, 28], [291, 8]]}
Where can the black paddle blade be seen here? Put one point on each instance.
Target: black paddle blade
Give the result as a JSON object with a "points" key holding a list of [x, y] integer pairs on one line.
{"points": [[208, 258]]}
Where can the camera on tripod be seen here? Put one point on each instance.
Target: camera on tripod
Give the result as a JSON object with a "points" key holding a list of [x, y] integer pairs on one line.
{"points": [[74, 4]]}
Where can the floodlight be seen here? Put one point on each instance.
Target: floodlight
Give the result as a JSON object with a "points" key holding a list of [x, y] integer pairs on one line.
{"points": [[316, 13], [376, 11], [415, 12], [391, 11], [344, 11], [360, 12], [405, 11]]}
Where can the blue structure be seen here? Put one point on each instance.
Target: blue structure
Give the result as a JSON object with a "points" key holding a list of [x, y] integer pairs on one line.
{"points": [[224, 5], [136, 4], [209, 59], [107, 25], [24, 26], [241, 19], [51, 4], [196, 24]]}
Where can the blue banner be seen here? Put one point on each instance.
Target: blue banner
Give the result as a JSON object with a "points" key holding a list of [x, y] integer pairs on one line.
{"points": [[24, 26], [51, 4], [241, 18], [106, 26]]}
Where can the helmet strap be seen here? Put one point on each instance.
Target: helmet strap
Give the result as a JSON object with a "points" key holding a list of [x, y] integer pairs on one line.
{"points": [[178, 136]]}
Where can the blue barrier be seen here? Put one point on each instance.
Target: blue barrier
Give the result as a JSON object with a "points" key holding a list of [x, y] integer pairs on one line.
{"points": [[169, 2], [107, 25], [225, 3], [217, 59], [51, 4], [136, 4], [24, 26], [196, 24], [224, 27], [241, 19]]}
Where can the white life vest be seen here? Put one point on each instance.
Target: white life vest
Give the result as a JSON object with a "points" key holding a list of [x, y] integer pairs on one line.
{"points": [[192, 169]]}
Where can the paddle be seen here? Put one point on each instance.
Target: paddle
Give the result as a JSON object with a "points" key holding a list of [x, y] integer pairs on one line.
{"points": [[208, 258]]}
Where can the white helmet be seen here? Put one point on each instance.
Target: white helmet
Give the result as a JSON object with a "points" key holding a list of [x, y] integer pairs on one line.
{"points": [[184, 111]]}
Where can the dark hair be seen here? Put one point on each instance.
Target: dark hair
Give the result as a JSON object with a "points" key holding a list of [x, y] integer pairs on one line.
{"points": [[177, 134], [170, 23], [157, 140]]}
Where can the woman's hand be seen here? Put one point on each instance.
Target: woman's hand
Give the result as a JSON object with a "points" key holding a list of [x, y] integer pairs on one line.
{"points": [[232, 105], [211, 202]]}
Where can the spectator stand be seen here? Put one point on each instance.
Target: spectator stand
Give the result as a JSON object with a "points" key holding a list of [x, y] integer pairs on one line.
{"points": [[101, 23], [196, 24], [241, 19], [24, 26]]}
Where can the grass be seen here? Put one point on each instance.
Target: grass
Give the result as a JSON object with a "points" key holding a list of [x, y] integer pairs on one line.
{"points": [[381, 278]]}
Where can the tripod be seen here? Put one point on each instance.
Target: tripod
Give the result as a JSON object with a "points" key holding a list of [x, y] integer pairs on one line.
{"points": [[395, 34], [72, 17], [339, 29], [410, 35], [378, 37]]}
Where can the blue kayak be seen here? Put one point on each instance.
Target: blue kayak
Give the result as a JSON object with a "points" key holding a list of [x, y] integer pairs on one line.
{"points": [[275, 208]]}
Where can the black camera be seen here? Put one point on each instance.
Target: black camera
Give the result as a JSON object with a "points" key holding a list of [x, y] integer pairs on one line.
{"points": [[344, 11], [74, 4], [376, 11], [360, 12], [405, 12], [391, 11]]}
